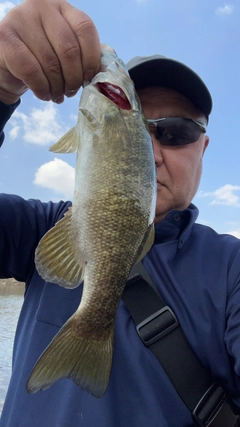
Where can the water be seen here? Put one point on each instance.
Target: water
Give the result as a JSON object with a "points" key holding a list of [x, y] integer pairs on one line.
{"points": [[11, 297]]}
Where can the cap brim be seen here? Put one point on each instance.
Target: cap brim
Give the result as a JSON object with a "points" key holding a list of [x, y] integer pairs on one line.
{"points": [[161, 71]]}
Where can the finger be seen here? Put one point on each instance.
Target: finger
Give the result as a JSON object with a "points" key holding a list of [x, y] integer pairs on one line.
{"points": [[22, 65], [87, 37], [67, 50], [22, 37], [33, 35], [55, 44], [50, 47]]}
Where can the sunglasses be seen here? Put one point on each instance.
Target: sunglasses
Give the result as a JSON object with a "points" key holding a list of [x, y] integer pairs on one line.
{"points": [[174, 131]]}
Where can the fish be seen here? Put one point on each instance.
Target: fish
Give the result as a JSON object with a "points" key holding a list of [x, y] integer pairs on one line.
{"points": [[107, 230]]}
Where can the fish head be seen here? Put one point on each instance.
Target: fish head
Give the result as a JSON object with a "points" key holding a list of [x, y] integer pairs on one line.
{"points": [[111, 88]]}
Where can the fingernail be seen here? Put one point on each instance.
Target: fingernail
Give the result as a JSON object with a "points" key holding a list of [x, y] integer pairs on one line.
{"points": [[48, 98], [71, 93], [89, 74], [59, 100]]}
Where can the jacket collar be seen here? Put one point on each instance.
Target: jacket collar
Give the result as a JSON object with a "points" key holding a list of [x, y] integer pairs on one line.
{"points": [[177, 225]]}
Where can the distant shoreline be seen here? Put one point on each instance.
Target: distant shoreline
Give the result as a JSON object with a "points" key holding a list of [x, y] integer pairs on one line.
{"points": [[9, 286]]}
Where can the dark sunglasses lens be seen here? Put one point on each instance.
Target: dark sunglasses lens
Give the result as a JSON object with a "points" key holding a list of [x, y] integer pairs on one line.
{"points": [[174, 132]]}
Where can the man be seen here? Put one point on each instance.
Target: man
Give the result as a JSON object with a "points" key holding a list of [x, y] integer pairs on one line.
{"points": [[195, 269]]}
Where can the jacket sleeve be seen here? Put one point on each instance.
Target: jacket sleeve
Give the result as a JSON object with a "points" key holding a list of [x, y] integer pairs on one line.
{"points": [[22, 224], [5, 113], [232, 335]]}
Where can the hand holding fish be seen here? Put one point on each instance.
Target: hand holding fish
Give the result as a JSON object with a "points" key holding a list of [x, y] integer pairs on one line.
{"points": [[46, 46]]}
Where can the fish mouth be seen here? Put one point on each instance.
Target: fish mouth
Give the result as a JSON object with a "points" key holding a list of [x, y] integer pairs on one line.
{"points": [[115, 94]]}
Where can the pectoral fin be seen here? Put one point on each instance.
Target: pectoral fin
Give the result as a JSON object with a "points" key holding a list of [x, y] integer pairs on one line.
{"points": [[56, 257], [68, 143]]}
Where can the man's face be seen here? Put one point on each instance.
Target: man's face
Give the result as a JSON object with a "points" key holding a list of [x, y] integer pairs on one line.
{"points": [[178, 168]]}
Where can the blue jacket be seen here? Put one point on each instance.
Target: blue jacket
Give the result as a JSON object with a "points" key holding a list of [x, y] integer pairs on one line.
{"points": [[197, 272]]}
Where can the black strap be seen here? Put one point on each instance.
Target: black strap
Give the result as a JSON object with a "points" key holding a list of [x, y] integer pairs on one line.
{"points": [[159, 330]]}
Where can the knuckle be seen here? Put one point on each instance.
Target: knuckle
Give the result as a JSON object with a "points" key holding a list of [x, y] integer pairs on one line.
{"points": [[53, 68], [35, 81], [86, 28], [29, 71], [16, 55], [88, 32], [51, 64], [8, 40], [70, 51], [31, 74]]}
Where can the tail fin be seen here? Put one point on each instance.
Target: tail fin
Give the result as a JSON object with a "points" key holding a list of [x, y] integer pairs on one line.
{"points": [[87, 362]]}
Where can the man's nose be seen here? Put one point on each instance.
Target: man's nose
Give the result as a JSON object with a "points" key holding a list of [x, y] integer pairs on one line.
{"points": [[157, 150]]}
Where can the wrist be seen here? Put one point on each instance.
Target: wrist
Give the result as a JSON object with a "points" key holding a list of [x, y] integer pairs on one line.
{"points": [[13, 96], [6, 110], [7, 98]]}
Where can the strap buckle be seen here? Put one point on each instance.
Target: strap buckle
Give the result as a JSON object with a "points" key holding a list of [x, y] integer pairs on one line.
{"points": [[209, 406], [157, 325]]}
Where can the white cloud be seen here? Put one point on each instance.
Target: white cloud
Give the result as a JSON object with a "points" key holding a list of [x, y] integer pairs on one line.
{"points": [[5, 7], [14, 132], [235, 233], [42, 126], [233, 228], [74, 117], [204, 222], [58, 176], [227, 9], [223, 196]]}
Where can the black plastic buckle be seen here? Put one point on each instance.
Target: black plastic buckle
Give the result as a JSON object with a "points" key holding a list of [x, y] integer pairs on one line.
{"points": [[209, 406], [157, 325]]}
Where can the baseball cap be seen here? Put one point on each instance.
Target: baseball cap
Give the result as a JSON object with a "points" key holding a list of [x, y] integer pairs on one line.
{"points": [[157, 70]]}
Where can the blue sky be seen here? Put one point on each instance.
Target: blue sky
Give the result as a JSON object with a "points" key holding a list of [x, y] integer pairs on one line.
{"points": [[204, 35]]}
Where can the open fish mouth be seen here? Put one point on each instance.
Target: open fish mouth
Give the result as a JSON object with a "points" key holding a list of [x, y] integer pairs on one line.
{"points": [[115, 94]]}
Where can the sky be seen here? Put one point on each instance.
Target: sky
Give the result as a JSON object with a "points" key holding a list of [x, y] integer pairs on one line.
{"points": [[204, 35]]}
